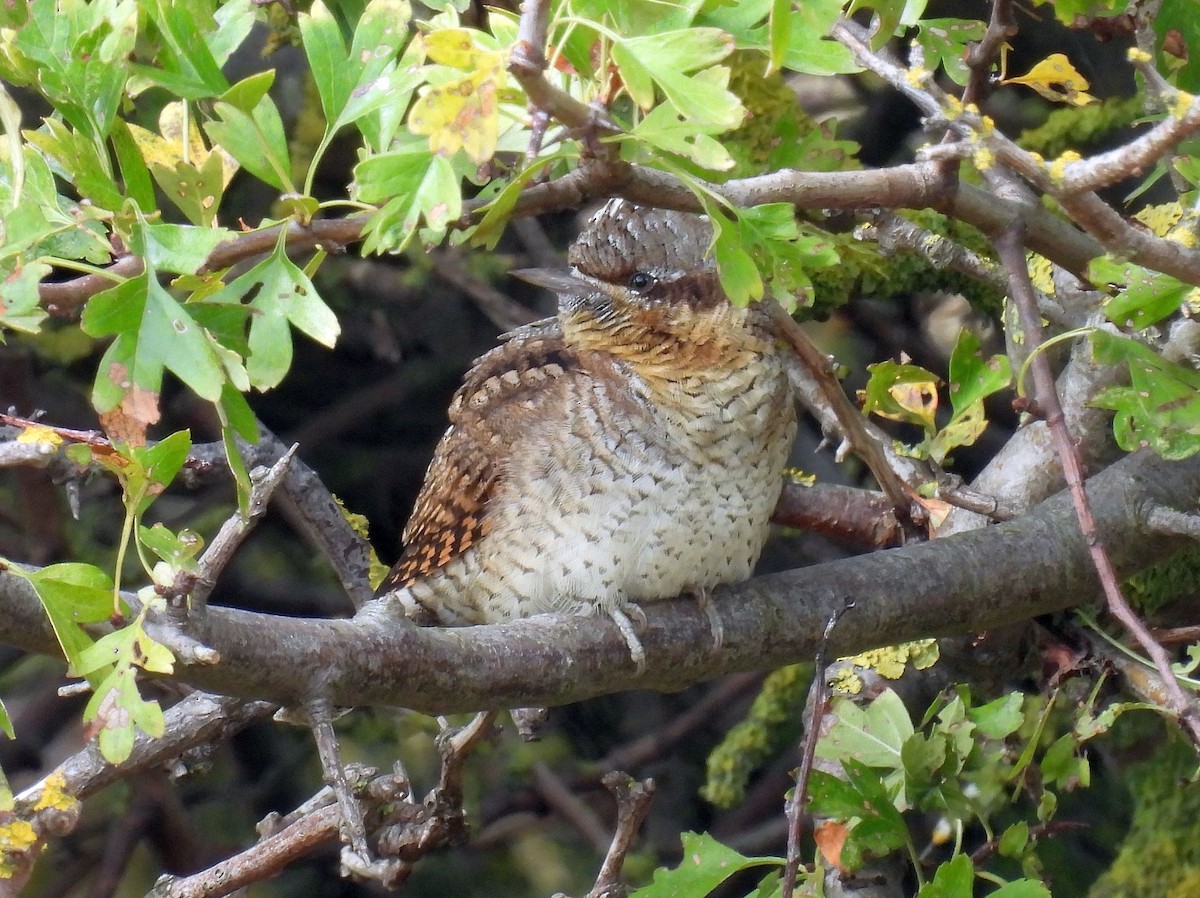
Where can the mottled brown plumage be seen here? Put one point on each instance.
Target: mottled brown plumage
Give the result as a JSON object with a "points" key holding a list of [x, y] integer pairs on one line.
{"points": [[627, 450]]}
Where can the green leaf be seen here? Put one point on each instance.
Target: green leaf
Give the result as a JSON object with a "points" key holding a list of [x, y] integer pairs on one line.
{"points": [[1022, 888], [178, 248], [7, 728], [739, 273], [134, 173], [872, 735], [177, 549], [706, 864], [80, 158], [183, 54], [196, 191], [153, 331], [333, 72], [1147, 298], [413, 184], [902, 393], [953, 879], [780, 30], [1062, 767], [944, 42], [256, 140], [1014, 840], [164, 459], [999, 718], [73, 594], [809, 48], [664, 60], [20, 305], [971, 377], [1161, 406], [283, 294], [234, 20], [248, 93], [118, 709], [862, 799], [667, 129]]}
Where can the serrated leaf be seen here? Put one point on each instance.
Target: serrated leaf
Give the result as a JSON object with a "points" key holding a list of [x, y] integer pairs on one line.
{"points": [[256, 140], [463, 113], [953, 879], [973, 378], [667, 129], [872, 735], [944, 42], [1147, 298], [73, 594], [164, 459], [184, 53], [282, 294], [197, 192], [1161, 406], [413, 184], [664, 61], [706, 864], [178, 248], [153, 332], [809, 48]]}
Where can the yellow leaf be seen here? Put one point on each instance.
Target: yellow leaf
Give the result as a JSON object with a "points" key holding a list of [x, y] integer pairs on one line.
{"points": [[168, 149], [1056, 80], [54, 794], [454, 47], [920, 400], [460, 115]]}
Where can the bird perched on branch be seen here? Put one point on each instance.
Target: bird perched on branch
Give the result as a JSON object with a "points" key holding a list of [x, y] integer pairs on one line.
{"points": [[629, 449]]}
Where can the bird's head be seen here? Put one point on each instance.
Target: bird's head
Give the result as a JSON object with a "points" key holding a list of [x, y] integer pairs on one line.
{"points": [[643, 285]]}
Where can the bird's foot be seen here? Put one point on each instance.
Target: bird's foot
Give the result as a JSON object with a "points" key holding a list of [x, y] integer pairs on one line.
{"points": [[715, 626], [620, 615]]}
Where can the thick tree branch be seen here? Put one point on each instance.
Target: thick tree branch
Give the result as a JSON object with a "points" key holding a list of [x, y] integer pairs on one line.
{"points": [[921, 185], [974, 581]]}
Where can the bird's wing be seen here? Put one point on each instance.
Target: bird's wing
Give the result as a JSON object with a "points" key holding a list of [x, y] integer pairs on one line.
{"points": [[503, 395]]}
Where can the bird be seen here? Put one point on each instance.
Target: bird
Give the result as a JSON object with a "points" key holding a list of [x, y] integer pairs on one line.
{"points": [[627, 450]]}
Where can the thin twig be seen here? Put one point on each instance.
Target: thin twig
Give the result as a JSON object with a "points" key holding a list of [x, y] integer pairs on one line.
{"points": [[982, 56], [849, 419], [1012, 255], [633, 804], [1071, 186], [354, 829], [818, 699], [527, 63], [198, 585]]}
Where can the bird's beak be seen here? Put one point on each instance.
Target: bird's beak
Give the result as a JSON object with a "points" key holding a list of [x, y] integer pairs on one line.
{"points": [[562, 281]]}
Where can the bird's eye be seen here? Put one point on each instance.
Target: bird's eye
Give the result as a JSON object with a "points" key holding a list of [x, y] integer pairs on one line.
{"points": [[640, 282]]}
